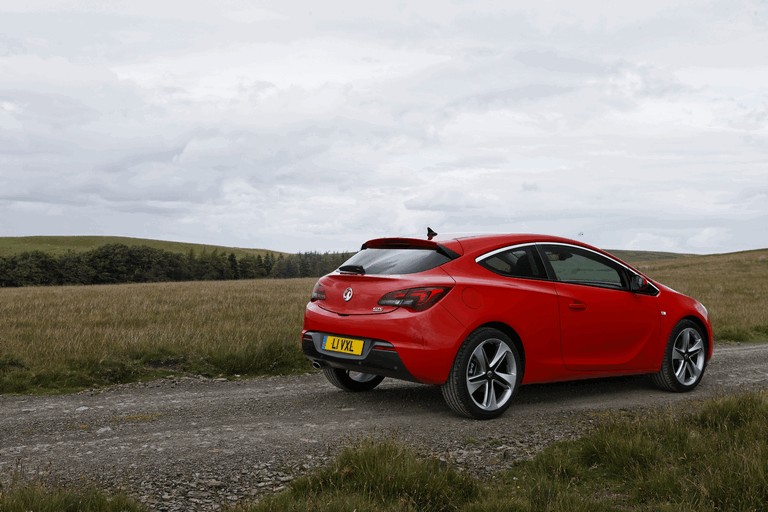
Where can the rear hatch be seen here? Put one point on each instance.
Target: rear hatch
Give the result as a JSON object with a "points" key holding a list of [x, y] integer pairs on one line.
{"points": [[387, 274]]}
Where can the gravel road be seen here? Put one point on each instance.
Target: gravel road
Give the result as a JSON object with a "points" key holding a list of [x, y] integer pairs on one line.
{"points": [[195, 444]]}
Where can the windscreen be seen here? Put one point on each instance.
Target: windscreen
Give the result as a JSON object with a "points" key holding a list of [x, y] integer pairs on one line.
{"points": [[397, 261]]}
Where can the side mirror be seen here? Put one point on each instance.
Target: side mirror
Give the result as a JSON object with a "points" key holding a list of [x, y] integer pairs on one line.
{"points": [[637, 283]]}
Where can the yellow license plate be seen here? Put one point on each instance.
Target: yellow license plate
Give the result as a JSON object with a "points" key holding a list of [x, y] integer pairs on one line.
{"points": [[343, 345]]}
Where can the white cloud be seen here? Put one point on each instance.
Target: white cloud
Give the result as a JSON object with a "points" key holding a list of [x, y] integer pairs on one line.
{"points": [[709, 237], [654, 242]]}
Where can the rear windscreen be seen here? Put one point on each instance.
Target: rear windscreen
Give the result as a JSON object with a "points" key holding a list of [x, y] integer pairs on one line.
{"points": [[397, 261]]}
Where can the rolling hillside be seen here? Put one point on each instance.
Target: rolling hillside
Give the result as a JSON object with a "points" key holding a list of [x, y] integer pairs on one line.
{"points": [[56, 245]]}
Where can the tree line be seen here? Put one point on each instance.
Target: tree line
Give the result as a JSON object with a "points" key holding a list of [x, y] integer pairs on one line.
{"points": [[120, 263]]}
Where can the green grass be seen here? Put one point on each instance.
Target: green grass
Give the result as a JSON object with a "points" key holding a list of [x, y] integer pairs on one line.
{"points": [[57, 245], [712, 459], [377, 476], [36, 497]]}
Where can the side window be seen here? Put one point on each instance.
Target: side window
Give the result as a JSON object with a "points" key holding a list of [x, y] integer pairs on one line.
{"points": [[515, 262], [574, 265]]}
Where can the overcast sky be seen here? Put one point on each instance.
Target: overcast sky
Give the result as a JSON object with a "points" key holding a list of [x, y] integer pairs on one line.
{"points": [[303, 125]]}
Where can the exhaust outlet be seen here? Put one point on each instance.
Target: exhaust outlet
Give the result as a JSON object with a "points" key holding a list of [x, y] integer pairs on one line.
{"points": [[316, 365]]}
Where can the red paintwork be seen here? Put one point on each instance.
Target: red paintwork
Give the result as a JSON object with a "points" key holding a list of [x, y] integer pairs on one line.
{"points": [[566, 331]]}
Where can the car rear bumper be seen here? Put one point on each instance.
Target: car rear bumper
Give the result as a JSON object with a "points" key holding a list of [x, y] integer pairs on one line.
{"points": [[379, 358], [415, 346]]}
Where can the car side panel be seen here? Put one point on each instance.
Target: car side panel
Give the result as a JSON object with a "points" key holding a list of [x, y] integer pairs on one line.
{"points": [[606, 329], [527, 306]]}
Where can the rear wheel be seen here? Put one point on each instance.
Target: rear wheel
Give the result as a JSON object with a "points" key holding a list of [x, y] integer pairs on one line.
{"points": [[685, 359], [485, 375], [352, 381]]}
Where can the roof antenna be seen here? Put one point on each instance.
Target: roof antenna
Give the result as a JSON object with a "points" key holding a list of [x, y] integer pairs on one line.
{"points": [[430, 233]]}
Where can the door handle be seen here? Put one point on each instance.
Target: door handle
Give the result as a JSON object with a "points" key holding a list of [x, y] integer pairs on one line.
{"points": [[577, 306]]}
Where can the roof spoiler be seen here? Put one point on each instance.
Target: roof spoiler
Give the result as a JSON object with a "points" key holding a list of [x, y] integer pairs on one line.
{"points": [[409, 243]]}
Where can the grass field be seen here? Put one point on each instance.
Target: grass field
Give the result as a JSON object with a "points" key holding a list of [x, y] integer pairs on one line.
{"points": [[713, 458], [57, 245], [66, 338]]}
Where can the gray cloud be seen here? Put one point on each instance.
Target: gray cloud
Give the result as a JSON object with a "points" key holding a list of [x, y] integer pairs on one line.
{"points": [[297, 128]]}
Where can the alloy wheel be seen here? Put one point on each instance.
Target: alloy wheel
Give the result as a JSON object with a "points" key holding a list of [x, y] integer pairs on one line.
{"points": [[688, 356], [491, 375]]}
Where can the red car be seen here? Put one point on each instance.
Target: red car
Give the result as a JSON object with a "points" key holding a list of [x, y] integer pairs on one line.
{"points": [[482, 315]]}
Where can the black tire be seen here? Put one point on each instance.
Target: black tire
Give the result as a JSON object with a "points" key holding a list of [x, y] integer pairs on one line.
{"points": [[352, 381], [685, 358], [485, 375]]}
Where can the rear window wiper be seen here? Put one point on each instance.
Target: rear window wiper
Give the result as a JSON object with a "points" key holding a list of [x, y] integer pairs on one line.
{"points": [[352, 269]]}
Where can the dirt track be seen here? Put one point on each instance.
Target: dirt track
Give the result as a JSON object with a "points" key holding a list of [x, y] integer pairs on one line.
{"points": [[192, 444]]}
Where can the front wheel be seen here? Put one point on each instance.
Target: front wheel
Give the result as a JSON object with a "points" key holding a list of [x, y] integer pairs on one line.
{"points": [[485, 375], [685, 359], [352, 381]]}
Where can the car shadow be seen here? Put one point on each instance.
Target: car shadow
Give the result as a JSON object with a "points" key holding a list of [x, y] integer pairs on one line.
{"points": [[593, 389], [409, 396]]}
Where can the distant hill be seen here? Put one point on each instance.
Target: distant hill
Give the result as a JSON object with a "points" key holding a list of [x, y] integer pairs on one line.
{"points": [[639, 257], [57, 245]]}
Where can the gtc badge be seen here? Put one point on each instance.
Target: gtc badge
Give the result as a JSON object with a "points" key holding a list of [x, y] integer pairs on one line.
{"points": [[347, 294]]}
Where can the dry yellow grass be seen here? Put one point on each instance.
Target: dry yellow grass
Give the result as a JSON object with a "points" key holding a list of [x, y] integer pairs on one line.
{"points": [[232, 327], [733, 287]]}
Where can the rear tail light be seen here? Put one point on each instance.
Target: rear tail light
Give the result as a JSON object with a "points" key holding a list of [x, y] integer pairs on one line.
{"points": [[417, 299], [318, 292]]}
